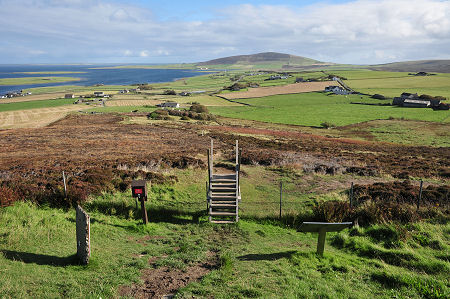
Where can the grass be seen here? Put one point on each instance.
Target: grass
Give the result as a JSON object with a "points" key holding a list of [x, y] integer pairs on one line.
{"points": [[411, 133], [34, 104], [36, 80], [312, 109], [256, 259], [392, 84], [210, 82]]}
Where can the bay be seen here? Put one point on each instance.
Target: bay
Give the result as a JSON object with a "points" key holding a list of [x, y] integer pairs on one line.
{"points": [[92, 75]]}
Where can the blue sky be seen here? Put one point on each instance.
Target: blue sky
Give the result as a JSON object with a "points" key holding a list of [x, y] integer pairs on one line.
{"points": [[118, 31]]}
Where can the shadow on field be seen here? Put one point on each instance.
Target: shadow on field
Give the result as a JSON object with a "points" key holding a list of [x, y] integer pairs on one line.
{"points": [[40, 259], [173, 215], [266, 257]]}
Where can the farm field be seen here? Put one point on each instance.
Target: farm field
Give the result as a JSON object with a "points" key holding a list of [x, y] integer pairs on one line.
{"points": [[392, 84], [34, 118], [34, 104], [29, 98], [313, 109], [141, 100], [36, 80], [277, 90]]}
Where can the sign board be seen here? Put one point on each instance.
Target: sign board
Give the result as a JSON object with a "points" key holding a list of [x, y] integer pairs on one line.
{"points": [[139, 189], [322, 228]]}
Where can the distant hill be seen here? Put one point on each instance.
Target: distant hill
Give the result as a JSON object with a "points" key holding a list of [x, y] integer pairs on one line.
{"points": [[438, 66], [267, 60]]}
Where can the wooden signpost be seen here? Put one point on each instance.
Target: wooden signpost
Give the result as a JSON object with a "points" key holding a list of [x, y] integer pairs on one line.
{"points": [[139, 191], [322, 228]]}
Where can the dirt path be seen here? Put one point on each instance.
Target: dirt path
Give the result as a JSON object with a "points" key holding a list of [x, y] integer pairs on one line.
{"points": [[164, 281]]}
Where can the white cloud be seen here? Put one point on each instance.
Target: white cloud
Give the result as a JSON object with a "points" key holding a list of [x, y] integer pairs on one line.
{"points": [[144, 53], [362, 31]]}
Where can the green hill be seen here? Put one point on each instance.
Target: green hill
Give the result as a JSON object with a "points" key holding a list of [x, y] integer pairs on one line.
{"points": [[267, 60]]}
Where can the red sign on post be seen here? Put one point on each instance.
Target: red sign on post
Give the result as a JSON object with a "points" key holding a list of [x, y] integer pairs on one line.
{"points": [[138, 191]]}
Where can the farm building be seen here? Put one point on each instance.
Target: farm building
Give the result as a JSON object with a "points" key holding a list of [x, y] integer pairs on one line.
{"points": [[336, 90], [169, 105], [124, 91], [276, 77], [69, 96], [99, 93], [416, 103], [413, 100], [185, 93]]}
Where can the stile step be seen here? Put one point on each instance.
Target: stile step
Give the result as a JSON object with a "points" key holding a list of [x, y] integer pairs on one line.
{"points": [[223, 190], [223, 205], [222, 221], [222, 213]]}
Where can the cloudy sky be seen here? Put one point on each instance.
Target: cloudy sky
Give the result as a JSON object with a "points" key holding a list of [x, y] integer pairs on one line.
{"points": [[149, 31]]}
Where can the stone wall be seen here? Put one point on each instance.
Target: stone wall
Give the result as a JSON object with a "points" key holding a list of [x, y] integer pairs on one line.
{"points": [[83, 236]]}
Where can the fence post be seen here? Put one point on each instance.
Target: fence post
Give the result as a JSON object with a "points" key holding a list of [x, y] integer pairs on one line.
{"points": [[420, 194], [351, 196], [281, 196]]}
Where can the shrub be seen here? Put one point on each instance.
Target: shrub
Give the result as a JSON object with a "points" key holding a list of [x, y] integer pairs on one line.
{"points": [[170, 92], [327, 125], [198, 108]]}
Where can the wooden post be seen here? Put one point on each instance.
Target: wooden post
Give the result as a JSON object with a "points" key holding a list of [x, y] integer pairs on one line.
{"points": [[212, 147], [209, 165], [321, 241], [144, 211], [420, 194], [207, 196], [351, 196], [65, 185], [281, 196], [237, 152]]}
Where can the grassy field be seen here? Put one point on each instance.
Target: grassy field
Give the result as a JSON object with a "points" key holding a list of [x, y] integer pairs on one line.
{"points": [[409, 132], [36, 80], [313, 109], [34, 104], [392, 84], [210, 82]]}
